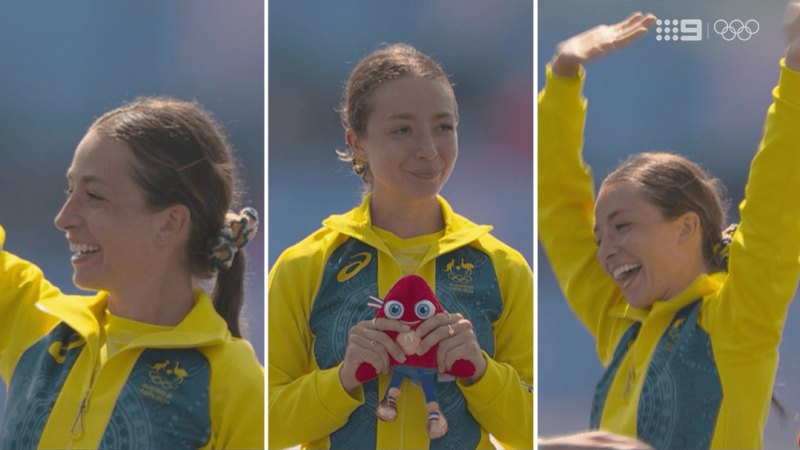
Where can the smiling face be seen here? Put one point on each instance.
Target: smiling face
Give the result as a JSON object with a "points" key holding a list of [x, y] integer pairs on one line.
{"points": [[649, 257], [111, 232], [410, 143]]}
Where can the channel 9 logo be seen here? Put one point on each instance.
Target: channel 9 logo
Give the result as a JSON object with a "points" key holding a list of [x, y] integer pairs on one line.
{"points": [[694, 30]]}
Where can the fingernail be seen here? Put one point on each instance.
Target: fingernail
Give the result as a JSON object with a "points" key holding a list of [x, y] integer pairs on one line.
{"points": [[406, 328], [419, 351], [402, 358]]}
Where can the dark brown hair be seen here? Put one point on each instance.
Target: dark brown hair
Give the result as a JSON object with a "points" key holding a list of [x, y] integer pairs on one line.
{"points": [[676, 186], [388, 63], [182, 157]]}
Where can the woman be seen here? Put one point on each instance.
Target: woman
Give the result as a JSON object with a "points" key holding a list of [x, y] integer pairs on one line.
{"points": [[400, 117], [146, 361], [687, 318]]}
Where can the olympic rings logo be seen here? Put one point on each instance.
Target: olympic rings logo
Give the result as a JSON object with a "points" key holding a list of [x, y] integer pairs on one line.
{"points": [[736, 29]]}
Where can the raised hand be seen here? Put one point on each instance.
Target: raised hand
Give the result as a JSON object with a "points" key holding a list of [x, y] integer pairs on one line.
{"points": [[598, 42], [791, 29]]}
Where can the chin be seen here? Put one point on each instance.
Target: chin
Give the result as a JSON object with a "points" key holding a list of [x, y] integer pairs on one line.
{"points": [[85, 283], [638, 303]]}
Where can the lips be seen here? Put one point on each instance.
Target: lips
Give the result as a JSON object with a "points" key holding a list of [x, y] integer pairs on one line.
{"points": [[425, 174]]}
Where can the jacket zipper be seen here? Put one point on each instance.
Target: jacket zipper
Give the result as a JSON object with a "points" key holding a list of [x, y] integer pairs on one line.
{"points": [[77, 425]]}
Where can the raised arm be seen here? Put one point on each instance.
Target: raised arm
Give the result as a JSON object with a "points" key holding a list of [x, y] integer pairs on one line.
{"points": [[21, 285], [764, 268], [566, 199]]}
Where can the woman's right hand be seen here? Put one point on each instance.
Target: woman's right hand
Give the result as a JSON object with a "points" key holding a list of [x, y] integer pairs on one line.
{"points": [[598, 42], [368, 344]]}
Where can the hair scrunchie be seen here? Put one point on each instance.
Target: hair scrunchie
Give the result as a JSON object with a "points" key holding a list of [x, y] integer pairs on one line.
{"points": [[237, 231], [722, 247]]}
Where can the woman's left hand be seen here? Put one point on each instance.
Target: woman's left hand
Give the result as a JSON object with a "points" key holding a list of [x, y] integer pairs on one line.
{"points": [[791, 29], [456, 340]]}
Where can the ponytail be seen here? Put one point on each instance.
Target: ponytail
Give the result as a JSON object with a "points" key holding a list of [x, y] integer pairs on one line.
{"points": [[228, 257], [228, 293]]}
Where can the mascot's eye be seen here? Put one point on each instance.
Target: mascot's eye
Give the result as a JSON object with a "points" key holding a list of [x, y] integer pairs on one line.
{"points": [[393, 309], [424, 309]]}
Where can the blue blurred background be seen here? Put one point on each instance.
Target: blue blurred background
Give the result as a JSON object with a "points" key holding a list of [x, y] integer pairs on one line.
{"points": [[65, 63], [487, 49], [704, 99]]}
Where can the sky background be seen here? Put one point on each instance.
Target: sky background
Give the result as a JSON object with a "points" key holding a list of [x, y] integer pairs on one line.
{"points": [[705, 99], [66, 63]]}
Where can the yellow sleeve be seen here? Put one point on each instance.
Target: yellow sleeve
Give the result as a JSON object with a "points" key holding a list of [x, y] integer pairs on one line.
{"points": [[566, 210], [306, 404], [237, 398], [22, 284], [763, 269], [502, 399], [746, 319]]}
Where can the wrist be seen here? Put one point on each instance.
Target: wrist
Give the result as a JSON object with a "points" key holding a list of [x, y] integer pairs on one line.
{"points": [[792, 57], [564, 67], [480, 369], [349, 383]]}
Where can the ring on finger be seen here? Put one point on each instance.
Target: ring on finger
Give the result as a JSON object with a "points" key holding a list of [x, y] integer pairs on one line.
{"points": [[374, 326], [450, 330]]}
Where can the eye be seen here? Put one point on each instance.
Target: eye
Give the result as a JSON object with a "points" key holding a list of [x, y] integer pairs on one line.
{"points": [[446, 127], [393, 309], [402, 130], [94, 196], [621, 226], [424, 309]]}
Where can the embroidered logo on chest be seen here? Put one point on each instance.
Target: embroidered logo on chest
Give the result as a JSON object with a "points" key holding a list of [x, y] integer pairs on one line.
{"points": [[164, 376], [459, 273]]}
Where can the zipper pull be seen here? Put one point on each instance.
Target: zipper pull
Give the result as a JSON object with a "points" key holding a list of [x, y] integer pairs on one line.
{"points": [[629, 381], [77, 425]]}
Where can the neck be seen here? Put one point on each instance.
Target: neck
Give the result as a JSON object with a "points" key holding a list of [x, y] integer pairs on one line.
{"points": [[407, 218], [161, 300]]}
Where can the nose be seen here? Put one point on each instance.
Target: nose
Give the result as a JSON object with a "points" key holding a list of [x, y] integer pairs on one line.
{"points": [[426, 146], [606, 249], [66, 217]]}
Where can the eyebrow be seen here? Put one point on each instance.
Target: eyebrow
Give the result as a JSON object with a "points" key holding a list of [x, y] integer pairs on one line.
{"points": [[87, 178], [407, 116]]}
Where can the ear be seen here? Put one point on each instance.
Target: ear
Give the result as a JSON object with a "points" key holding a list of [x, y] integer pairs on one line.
{"points": [[354, 144], [173, 224], [688, 227]]}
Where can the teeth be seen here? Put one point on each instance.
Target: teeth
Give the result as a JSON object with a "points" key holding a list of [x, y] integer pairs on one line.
{"points": [[619, 271], [83, 248]]}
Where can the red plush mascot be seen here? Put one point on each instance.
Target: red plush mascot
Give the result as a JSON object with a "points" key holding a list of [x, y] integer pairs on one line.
{"points": [[412, 301]]}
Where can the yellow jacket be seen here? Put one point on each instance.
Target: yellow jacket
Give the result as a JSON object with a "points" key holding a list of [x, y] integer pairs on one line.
{"points": [[193, 386], [725, 347], [318, 290]]}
